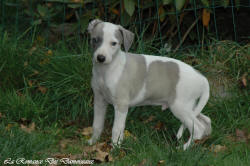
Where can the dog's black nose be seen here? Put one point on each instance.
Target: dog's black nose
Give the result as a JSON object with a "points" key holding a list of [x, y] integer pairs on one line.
{"points": [[100, 58]]}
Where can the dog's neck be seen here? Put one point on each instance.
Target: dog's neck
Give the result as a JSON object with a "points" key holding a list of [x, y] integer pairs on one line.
{"points": [[116, 63]]}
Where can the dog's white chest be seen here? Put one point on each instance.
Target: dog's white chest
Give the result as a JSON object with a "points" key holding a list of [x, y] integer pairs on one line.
{"points": [[107, 81]]}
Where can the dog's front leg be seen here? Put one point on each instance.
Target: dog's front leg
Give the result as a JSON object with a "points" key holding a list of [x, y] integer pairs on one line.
{"points": [[100, 106], [119, 124]]}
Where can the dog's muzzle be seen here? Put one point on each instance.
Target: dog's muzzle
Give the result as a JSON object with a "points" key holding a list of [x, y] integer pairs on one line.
{"points": [[100, 58]]}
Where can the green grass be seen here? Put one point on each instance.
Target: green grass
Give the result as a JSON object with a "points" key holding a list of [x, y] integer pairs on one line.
{"points": [[51, 87]]}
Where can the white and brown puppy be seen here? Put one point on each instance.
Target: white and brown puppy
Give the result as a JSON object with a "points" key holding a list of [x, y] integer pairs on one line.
{"points": [[125, 80]]}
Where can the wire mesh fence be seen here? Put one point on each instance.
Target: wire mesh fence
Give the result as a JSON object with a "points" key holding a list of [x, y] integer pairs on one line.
{"points": [[167, 25]]}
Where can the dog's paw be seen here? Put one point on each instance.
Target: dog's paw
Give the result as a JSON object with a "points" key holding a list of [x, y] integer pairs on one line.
{"points": [[91, 141], [116, 145], [180, 132]]}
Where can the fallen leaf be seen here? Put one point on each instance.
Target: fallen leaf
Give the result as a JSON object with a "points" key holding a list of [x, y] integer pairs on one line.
{"points": [[142, 163], [77, 1], [159, 125], [101, 156], [44, 61], [244, 80], [93, 148], [150, 119], [49, 4], [19, 93], [218, 148], [160, 162], [9, 126], [64, 142], [32, 50], [25, 64], [35, 72], [1, 115], [28, 128], [30, 83], [127, 134], [60, 155], [201, 141], [42, 89], [49, 53], [40, 38], [106, 147], [87, 131], [240, 135], [76, 156]]}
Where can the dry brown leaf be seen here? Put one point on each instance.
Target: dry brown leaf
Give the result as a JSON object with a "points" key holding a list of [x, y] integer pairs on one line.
{"points": [[25, 64], [101, 156], [162, 14], [87, 131], [44, 61], [115, 11], [127, 134], [76, 156], [89, 149], [30, 83], [63, 143], [159, 125], [60, 155], [8, 127], [106, 147], [93, 148], [244, 80], [205, 17], [218, 148], [19, 93], [240, 135], [49, 4], [160, 162], [42, 89], [77, 1], [49, 53], [201, 141], [29, 128], [1, 115], [150, 119], [40, 38], [32, 50], [122, 153], [143, 162], [35, 72]]}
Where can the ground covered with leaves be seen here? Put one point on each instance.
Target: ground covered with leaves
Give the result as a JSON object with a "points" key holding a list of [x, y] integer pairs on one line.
{"points": [[46, 108]]}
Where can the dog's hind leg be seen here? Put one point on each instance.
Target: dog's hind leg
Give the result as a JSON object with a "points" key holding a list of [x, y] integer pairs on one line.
{"points": [[197, 112], [183, 127], [186, 115]]}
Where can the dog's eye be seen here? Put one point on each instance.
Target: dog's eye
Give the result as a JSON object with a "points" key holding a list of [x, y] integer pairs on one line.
{"points": [[113, 43], [95, 40]]}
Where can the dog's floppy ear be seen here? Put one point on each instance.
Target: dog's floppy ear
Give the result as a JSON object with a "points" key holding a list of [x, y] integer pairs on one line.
{"points": [[92, 24], [128, 38]]}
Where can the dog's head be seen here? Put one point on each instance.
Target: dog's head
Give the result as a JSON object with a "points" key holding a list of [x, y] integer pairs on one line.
{"points": [[106, 40]]}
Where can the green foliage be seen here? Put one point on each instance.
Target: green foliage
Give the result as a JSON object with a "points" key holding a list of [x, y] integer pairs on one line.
{"points": [[66, 106], [129, 6]]}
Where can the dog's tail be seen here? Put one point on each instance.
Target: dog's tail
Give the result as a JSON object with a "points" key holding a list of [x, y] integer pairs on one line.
{"points": [[203, 98]]}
